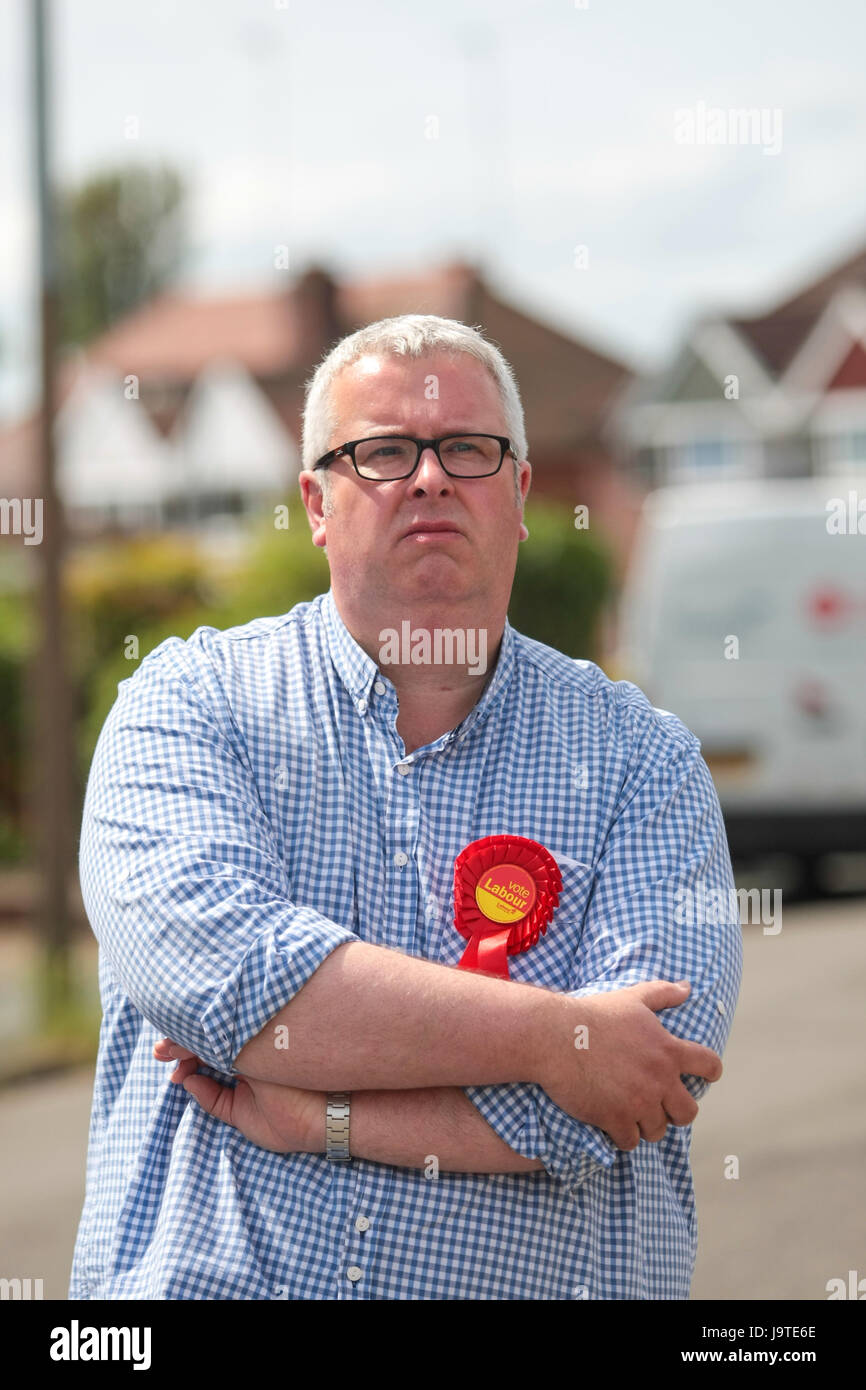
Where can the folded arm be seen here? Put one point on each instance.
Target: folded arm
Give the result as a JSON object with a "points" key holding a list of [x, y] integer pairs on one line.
{"points": [[436, 1128]]}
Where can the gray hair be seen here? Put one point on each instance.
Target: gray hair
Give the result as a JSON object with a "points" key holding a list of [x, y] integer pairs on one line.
{"points": [[408, 335]]}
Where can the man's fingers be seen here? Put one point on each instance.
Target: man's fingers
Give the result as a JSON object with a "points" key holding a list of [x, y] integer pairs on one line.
{"points": [[697, 1060], [211, 1095], [626, 1137], [653, 1126], [168, 1051], [185, 1068], [681, 1106], [662, 994]]}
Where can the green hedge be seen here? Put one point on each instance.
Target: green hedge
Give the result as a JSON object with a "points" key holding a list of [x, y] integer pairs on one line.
{"points": [[282, 568], [564, 581]]}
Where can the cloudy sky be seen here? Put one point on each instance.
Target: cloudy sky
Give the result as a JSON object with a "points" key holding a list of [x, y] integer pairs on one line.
{"points": [[389, 134]]}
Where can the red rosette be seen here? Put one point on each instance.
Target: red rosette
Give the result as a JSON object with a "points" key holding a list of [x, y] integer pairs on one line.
{"points": [[506, 889]]}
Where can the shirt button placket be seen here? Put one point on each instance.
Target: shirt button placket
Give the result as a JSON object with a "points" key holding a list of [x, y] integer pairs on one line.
{"points": [[402, 830], [354, 1271]]}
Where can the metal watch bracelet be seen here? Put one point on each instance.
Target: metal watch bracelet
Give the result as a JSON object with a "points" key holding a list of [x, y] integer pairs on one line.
{"points": [[337, 1127]]}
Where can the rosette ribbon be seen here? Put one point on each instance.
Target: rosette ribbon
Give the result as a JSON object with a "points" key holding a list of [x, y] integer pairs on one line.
{"points": [[506, 889]]}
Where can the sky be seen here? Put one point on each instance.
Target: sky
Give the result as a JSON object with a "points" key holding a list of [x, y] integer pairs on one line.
{"points": [[582, 154]]}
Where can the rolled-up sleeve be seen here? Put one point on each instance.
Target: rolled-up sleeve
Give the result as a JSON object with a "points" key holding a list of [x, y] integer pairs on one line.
{"points": [[663, 906], [182, 880]]}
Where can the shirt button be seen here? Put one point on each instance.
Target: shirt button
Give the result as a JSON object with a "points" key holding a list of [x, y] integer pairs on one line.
{"points": [[404, 769], [362, 706], [362, 1223], [720, 1005], [379, 688], [400, 858], [353, 1273]]}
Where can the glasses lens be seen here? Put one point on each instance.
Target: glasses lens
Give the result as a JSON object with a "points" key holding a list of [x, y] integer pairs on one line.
{"points": [[388, 457], [471, 455], [466, 455]]}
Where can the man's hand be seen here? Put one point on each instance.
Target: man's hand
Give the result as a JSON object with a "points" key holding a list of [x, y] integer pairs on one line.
{"points": [[627, 1081], [283, 1119]]}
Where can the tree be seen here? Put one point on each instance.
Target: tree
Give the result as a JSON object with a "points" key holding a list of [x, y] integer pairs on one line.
{"points": [[121, 239]]}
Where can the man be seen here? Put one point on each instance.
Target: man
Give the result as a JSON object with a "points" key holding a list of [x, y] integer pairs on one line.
{"points": [[268, 850]]}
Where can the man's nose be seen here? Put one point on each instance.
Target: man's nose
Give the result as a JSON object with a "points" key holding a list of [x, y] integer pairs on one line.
{"points": [[430, 473]]}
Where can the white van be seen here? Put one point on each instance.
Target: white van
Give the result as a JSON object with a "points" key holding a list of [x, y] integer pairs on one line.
{"points": [[744, 612]]}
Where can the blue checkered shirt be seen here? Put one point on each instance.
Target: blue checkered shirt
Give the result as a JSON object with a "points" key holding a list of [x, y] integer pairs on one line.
{"points": [[250, 808]]}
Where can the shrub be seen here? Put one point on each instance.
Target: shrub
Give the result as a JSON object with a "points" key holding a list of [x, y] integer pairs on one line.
{"points": [[563, 582]]}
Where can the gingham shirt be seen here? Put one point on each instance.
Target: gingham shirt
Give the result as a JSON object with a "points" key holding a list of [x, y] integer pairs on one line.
{"points": [[250, 808]]}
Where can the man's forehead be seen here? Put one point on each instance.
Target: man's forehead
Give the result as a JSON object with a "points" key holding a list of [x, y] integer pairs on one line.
{"points": [[373, 367], [435, 380]]}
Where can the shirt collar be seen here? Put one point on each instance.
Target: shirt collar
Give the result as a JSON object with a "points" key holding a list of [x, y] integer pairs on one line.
{"points": [[357, 670], [354, 667]]}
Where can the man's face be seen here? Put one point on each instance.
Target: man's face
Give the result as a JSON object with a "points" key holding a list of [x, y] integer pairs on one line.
{"points": [[372, 558]]}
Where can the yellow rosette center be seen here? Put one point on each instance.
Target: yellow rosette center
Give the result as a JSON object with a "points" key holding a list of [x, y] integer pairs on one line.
{"points": [[505, 893]]}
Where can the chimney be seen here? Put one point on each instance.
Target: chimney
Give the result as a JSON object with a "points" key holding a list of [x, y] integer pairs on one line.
{"points": [[315, 304]]}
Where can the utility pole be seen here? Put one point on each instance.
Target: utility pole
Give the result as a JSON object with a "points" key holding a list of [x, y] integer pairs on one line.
{"points": [[52, 759]]}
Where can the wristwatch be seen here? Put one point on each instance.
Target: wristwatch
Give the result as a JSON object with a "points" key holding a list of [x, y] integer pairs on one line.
{"points": [[337, 1127]]}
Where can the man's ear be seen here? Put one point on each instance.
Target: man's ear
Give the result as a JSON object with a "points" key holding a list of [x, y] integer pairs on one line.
{"points": [[524, 480], [311, 496]]}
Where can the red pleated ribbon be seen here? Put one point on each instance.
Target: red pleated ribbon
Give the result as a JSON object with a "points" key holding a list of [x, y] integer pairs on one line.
{"points": [[506, 889]]}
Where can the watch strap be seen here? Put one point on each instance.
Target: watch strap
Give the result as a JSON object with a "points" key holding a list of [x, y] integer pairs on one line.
{"points": [[337, 1127]]}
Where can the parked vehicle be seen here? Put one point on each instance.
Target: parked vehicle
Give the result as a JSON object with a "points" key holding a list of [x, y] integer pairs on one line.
{"points": [[744, 612]]}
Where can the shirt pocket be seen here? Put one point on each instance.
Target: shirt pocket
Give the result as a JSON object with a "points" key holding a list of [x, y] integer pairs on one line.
{"points": [[552, 961]]}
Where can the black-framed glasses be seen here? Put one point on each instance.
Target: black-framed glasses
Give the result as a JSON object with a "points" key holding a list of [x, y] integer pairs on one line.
{"points": [[390, 457]]}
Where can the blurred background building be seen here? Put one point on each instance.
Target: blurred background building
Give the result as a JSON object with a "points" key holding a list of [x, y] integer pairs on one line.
{"points": [[781, 394]]}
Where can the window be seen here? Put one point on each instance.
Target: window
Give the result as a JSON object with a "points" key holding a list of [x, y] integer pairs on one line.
{"points": [[701, 459]]}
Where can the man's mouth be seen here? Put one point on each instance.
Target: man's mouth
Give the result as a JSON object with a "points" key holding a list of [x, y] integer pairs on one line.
{"points": [[432, 528]]}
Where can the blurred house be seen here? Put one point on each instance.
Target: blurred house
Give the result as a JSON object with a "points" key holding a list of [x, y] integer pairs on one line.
{"points": [[782, 394], [190, 407]]}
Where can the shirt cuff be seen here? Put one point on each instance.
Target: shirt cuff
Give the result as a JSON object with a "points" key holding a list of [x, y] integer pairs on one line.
{"points": [[273, 972], [523, 1115]]}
